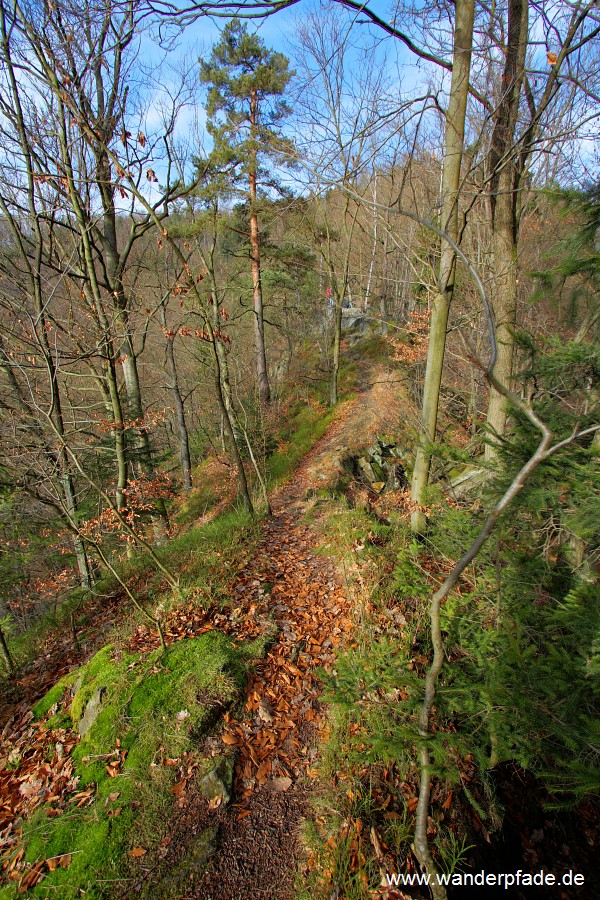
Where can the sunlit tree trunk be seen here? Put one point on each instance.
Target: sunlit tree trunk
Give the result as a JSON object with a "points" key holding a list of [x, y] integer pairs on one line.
{"points": [[455, 129], [264, 389], [504, 200]]}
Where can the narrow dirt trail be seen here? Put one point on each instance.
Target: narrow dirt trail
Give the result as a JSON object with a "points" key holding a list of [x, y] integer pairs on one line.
{"points": [[287, 586]]}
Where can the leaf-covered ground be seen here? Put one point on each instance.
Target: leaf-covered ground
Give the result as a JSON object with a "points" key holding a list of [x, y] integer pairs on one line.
{"points": [[287, 594]]}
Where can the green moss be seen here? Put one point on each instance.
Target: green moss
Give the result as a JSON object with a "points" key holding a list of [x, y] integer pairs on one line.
{"points": [[153, 707], [54, 696], [308, 426]]}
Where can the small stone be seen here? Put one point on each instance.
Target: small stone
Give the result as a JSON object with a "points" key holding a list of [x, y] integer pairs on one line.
{"points": [[92, 711], [279, 785], [218, 782]]}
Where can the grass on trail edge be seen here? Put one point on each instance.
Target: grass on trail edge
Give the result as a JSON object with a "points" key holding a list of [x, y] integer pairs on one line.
{"points": [[308, 426]]}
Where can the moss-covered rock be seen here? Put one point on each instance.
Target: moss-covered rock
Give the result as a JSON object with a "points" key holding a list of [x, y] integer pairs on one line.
{"points": [[173, 884], [218, 782], [54, 696], [148, 710]]}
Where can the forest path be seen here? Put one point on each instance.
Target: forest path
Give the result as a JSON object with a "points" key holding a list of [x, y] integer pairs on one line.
{"points": [[290, 588], [287, 590]]}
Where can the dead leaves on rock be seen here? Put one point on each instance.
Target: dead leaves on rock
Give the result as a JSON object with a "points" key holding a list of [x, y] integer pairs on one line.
{"points": [[35, 769]]}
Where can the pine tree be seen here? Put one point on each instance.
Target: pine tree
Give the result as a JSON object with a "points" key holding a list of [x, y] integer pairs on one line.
{"points": [[245, 112]]}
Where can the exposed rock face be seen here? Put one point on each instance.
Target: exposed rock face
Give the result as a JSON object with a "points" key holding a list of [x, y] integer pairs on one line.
{"points": [[92, 710], [380, 466], [467, 482], [358, 322]]}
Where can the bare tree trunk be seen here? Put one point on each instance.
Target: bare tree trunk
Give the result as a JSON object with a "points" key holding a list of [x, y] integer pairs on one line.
{"points": [[186, 461], [83, 564], [237, 456], [504, 261], [34, 269], [264, 389], [504, 200], [66, 481], [455, 130], [118, 426], [10, 665], [337, 340], [223, 366], [141, 447], [385, 275], [374, 245]]}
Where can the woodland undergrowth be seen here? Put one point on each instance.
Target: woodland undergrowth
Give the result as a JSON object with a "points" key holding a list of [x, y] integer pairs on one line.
{"points": [[520, 685]]}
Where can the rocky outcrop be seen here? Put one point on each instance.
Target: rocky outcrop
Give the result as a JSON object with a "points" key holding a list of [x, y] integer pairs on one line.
{"points": [[358, 322], [380, 467]]}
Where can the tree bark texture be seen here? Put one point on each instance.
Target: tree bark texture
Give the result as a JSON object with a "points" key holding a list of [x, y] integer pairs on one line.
{"points": [[504, 203], [6, 653], [454, 141], [264, 389]]}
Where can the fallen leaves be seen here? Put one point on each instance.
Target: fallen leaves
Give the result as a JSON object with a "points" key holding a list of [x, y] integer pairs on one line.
{"points": [[35, 770], [31, 877], [64, 861], [279, 784], [312, 615]]}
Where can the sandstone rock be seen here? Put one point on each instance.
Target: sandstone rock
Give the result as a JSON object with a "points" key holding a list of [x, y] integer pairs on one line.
{"points": [[92, 710]]}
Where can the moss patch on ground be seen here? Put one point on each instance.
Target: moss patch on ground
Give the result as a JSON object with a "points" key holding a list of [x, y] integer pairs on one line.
{"points": [[310, 423], [152, 709]]}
